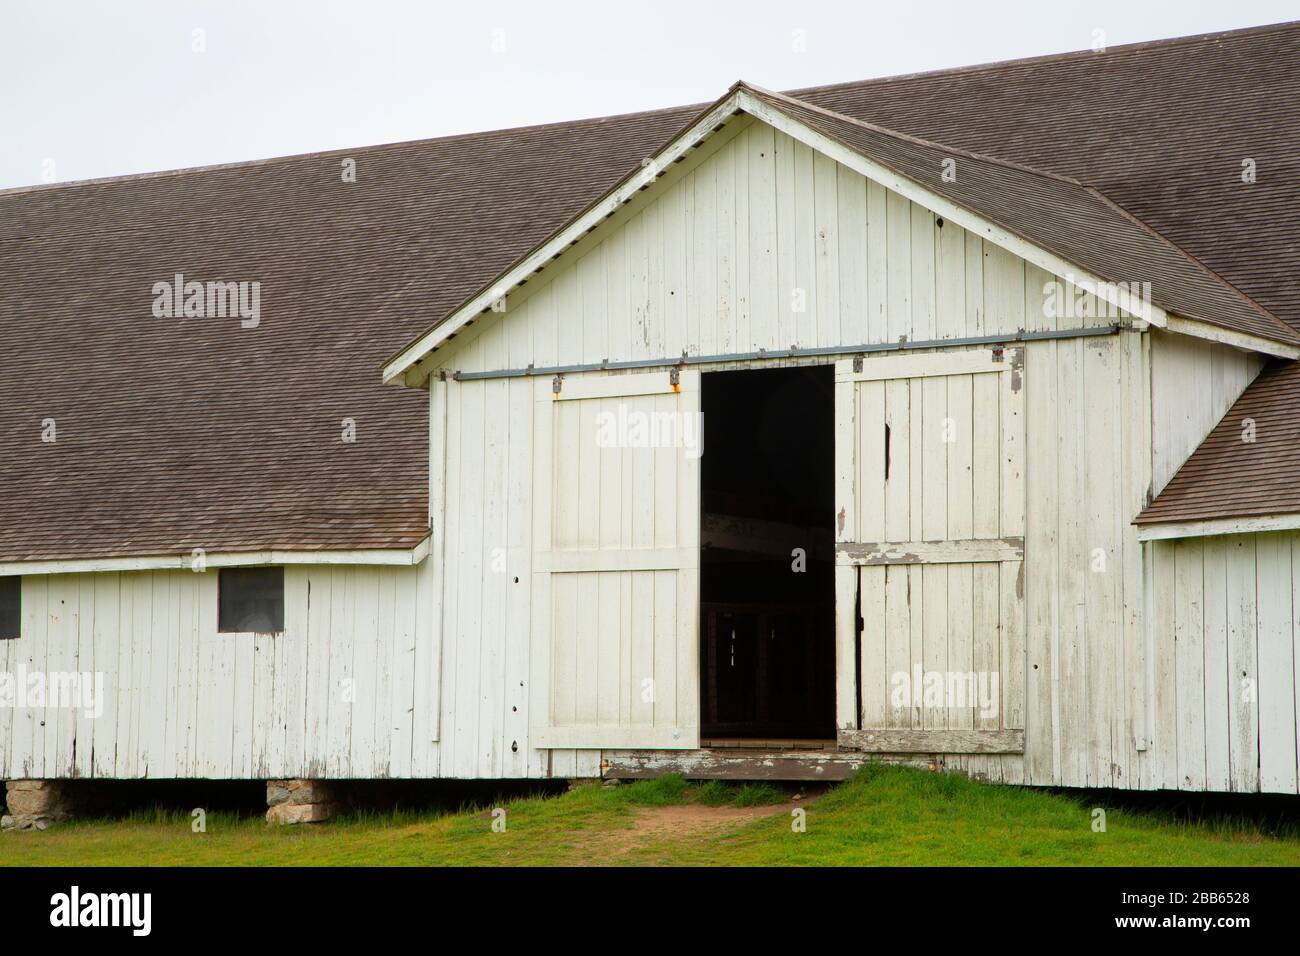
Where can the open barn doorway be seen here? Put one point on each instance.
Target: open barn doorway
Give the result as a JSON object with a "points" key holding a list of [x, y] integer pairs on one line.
{"points": [[767, 582]]}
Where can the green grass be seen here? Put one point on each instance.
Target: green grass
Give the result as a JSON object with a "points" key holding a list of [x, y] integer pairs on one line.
{"points": [[886, 815]]}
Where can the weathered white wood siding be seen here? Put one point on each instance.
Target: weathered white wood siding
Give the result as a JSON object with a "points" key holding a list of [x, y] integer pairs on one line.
{"points": [[1087, 470], [1193, 384], [930, 473], [348, 689], [1225, 664]]}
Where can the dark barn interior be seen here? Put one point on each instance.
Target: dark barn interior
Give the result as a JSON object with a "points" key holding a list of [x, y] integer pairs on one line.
{"points": [[767, 584]]}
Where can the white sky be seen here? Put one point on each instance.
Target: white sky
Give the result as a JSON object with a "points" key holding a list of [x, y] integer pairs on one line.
{"points": [[107, 87]]}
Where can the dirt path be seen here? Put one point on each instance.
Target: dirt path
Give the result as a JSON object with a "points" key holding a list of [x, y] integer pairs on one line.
{"points": [[683, 824]]}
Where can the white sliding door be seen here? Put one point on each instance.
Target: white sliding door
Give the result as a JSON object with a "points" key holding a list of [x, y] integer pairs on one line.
{"points": [[616, 561], [930, 540]]}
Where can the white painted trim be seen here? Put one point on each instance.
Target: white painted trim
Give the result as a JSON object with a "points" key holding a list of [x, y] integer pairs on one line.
{"points": [[618, 386], [877, 368], [937, 204], [1216, 526], [398, 557], [1240, 340], [567, 236]]}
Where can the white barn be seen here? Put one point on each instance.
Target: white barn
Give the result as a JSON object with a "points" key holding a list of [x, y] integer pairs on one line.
{"points": [[808, 441]]}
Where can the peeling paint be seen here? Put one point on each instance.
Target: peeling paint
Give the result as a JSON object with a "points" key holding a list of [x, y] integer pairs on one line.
{"points": [[892, 557]]}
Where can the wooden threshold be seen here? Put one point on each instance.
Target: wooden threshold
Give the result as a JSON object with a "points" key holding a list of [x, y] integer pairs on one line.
{"points": [[738, 764]]}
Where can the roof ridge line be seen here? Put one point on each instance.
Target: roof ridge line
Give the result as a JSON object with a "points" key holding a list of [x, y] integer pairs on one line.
{"points": [[1196, 261], [1137, 46], [917, 140]]}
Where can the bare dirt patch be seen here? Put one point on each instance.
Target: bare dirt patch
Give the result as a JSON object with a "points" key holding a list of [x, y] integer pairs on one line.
{"points": [[690, 819], [680, 824]]}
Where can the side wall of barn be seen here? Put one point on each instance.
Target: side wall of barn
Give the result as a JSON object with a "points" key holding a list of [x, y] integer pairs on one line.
{"points": [[1225, 637], [348, 689]]}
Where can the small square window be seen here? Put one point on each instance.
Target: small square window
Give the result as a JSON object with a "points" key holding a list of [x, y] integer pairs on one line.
{"points": [[11, 607], [250, 599]]}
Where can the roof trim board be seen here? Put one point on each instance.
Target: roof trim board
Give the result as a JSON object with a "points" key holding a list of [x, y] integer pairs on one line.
{"points": [[390, 557], [1240, 340], [1167, 530]]}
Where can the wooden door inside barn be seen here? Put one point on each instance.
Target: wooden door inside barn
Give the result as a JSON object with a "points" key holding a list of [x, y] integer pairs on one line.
{"points": [[930, 548]]}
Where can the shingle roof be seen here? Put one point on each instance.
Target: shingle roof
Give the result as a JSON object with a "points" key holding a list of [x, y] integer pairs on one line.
{"points": [[181, 433], [173, 434], [1249, 465]]}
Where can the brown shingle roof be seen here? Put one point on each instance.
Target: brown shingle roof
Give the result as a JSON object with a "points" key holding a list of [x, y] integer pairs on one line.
{"points": [[175, 434], [181, 433], [1232, 476]]}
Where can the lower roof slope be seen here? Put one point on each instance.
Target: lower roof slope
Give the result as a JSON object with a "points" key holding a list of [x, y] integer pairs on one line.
{"points": [[180, 433], [1249, 465], [172, 434]]}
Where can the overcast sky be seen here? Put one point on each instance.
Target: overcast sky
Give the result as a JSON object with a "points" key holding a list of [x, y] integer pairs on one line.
{"points": [[96, 88]]}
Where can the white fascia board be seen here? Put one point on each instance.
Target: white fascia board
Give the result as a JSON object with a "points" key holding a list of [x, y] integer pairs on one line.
{"points": [[1240, 340], [391, 557], [655, 167], [1166, 530]]}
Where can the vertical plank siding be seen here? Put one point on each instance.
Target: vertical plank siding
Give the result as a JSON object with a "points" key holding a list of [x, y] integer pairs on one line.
{"points": [[1226, 641], [1194, 383], [181, 699]]}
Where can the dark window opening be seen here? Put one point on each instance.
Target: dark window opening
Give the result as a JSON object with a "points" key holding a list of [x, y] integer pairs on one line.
{"points": [[11, 608], [250, 599], [767, 629]]}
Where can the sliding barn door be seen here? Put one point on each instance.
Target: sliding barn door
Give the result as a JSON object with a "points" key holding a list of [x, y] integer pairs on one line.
{"points": [[615, 624], [930, 540]]}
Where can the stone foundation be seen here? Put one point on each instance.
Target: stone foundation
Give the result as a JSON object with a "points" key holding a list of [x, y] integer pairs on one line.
{"points": [[299, 801], [35, 804]]}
